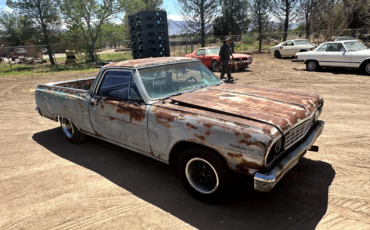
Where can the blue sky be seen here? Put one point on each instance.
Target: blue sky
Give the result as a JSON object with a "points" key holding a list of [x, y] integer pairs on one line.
{"points": [[2, 3]]}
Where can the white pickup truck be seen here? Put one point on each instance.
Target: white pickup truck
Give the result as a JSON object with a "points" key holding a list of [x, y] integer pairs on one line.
{"points": [[177, 111]]}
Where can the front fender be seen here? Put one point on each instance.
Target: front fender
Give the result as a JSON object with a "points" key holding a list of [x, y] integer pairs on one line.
{"points": [[242, 147]]}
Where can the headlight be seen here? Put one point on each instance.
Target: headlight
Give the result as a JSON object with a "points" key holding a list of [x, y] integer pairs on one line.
{"points": [[275, 150], [278, 145]]}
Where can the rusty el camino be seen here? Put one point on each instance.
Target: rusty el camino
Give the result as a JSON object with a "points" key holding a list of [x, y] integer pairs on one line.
{"points": [[177, 111]]}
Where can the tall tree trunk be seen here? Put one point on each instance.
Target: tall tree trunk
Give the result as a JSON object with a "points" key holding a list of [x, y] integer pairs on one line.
{"points": [[202, 33], [92, 48], [259, 30], [50, 54], [286, 21], [307, 24]]}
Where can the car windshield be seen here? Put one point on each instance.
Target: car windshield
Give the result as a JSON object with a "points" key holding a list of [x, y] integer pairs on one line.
{"points": [[302, 42], [355, 45], [167, 80], [344, 39], [213, 51]]}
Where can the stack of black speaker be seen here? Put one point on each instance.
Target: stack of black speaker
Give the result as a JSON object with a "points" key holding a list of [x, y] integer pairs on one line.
{"points": [[149, 34]]}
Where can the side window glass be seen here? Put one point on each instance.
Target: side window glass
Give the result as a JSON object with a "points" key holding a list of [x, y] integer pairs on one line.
{"points": [[200, 52], [134, 91], [334, 47], [115, 84], [323, 47]]}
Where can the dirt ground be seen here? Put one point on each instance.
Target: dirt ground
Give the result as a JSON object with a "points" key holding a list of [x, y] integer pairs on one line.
{"points": [[48, 183]]}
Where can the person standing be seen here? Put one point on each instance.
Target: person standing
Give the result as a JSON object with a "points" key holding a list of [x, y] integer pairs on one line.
{"points": [[225, 54]]}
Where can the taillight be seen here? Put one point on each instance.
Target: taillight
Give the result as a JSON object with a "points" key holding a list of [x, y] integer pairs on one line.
{"points": [[296, 57]]}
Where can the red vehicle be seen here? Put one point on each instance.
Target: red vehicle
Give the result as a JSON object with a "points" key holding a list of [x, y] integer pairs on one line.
{"points": [[209, 57]]}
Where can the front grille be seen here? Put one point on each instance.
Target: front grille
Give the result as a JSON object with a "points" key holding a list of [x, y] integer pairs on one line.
{"points": [[297, 133]]}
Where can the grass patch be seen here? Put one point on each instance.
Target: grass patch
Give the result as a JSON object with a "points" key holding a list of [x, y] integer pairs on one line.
{"points": [[47, 69], [37, 70], [115, 56]]}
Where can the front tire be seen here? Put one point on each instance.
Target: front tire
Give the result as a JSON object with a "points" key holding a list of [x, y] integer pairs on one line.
{"points": [[312, 66], [277, 54], [205, 175], [214, 66], [71, 132]]}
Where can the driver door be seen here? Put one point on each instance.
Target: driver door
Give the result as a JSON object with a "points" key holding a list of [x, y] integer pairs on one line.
{"points": [[334, 56], [287, 49], [117, 111]]}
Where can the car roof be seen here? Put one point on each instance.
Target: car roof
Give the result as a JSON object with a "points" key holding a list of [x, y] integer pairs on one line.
{"points": [[150, 62], [341, 41]]}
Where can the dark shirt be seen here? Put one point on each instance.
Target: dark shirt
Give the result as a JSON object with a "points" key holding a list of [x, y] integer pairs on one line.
{"points": [[225, 52]]}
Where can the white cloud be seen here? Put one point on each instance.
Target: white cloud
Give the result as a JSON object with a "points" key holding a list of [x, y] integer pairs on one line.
{"points": [[7, 9], [175, 17]]}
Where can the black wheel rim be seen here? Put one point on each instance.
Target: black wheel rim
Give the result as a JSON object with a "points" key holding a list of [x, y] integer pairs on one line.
{"points": [[202, 176]]}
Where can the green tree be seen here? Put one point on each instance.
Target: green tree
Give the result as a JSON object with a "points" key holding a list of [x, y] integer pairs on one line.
{"points": [[86, 17], [199, 16], [235, 16], [14, 27], [286, 11], [44, 18], [112, 33], [261, 18]]}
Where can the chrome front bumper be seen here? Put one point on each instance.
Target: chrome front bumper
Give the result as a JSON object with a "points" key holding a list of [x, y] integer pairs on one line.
{"points": [[264, 182]]}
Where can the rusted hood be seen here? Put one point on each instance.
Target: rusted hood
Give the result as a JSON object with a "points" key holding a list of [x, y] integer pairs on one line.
{"points": [[282, 109]]}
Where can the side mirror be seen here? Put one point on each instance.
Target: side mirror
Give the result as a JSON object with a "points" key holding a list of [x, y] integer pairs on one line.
{"points": [[343, 50]]}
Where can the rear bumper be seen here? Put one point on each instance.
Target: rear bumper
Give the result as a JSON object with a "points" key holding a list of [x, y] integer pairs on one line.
{"points": [[264, 182], [297, 60]]}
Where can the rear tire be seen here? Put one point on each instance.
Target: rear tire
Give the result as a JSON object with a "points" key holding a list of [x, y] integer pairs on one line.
{"points": [[214, 65], [205, 175], [312, 66], [277, 54], [71, 131], [367, 68]]}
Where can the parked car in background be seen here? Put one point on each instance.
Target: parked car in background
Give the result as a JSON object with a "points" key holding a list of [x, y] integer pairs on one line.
{"points": [[344, 39], [175, 110], [44, 51], [18, 52], [291, 47], [209, 57], [342, 54]]}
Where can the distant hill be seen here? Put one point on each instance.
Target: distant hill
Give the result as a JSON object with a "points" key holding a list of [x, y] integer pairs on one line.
{"points": [[173, 28]]}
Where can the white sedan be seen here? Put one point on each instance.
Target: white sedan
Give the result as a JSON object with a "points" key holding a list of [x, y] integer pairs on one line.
{"points": [[344, 54], [291, 47]]}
